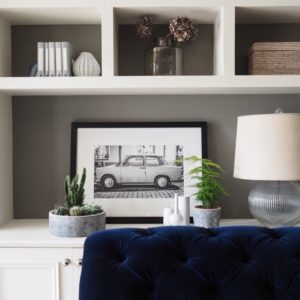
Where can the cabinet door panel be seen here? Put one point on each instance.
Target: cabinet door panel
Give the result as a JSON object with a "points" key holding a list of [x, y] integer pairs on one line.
{"points": [[35, 274], [77, 255], [29, 281]]}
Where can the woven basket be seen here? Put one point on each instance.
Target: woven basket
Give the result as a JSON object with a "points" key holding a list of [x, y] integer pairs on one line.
{"points": [[274, 58]]}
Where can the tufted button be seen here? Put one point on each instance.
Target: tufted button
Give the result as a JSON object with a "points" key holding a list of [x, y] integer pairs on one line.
{"points": [[147, 232], [212, 289], [275, 234], [244, 260], [183, 258], [121, 260], [211, 233], [151, 286]]}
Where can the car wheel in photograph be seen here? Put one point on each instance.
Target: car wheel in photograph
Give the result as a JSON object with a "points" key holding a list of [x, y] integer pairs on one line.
{"points": [[162, 181], [108, 181]]}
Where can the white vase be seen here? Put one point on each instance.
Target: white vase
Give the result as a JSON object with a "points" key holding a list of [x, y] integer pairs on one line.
{"points": [[86, 65], [184, 209], [168, 211], [176, 218]]}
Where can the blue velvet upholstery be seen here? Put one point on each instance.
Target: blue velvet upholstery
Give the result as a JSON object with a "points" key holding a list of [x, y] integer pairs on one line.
{"points": [[190, 263]]}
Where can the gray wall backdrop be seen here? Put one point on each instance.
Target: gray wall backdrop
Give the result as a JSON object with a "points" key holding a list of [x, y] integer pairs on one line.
{"points": [[42, 124], [42, 138]]}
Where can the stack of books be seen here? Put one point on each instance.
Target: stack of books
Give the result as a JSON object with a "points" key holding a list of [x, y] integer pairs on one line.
{"points": [[54, 59]]}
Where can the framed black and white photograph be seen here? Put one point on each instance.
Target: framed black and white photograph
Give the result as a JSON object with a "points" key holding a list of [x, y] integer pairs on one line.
{"points": [[134, 170]]}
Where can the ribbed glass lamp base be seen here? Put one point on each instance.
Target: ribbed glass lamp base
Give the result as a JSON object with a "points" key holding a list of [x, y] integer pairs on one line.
{"points": [[276, 203]]}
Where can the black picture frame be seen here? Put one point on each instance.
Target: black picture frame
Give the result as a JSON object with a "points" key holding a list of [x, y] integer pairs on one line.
{"points": [[73, 162]]}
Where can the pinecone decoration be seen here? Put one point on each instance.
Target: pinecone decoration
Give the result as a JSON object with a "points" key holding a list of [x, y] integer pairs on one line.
{"points": [[144, 27], [182, 29]]}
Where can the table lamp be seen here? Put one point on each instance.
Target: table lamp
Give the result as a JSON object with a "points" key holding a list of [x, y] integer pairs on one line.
{"points": [[268, 150]]}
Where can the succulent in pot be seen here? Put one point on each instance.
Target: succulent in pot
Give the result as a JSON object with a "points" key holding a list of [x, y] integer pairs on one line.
{"points": [[75, 218], [207, 176]]}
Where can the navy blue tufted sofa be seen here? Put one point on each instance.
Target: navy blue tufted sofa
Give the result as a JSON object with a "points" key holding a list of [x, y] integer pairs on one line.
{"points": [[190, 263]]}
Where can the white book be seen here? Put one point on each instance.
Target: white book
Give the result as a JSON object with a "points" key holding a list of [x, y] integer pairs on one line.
{"points": [[67, 55], [58, 59], [51, 59], [41, 59], [46, 46]]}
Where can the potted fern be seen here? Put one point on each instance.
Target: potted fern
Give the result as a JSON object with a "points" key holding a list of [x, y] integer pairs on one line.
{"points": [[75, 218], [207, 176]]}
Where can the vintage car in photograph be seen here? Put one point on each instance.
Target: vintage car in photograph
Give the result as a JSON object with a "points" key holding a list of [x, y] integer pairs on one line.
{"points": [[139, 170]]}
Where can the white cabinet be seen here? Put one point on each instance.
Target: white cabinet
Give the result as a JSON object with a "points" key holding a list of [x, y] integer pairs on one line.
{"points": [[40, 273]]}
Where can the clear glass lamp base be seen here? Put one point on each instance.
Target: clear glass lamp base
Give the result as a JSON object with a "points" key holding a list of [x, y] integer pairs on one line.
{"points": [[276, 203]]}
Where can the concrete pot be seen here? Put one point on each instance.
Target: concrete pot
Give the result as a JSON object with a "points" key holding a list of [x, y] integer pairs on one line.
{"points": [[208, 218], [75, 226]]}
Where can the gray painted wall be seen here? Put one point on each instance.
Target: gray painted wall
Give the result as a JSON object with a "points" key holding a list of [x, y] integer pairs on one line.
{"points": [[42, 138], [42, 124]]}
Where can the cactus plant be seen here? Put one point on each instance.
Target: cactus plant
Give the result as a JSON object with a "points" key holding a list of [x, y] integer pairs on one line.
{"points": [[91, 209], [74, 199], [75, 211], [74, 192], [61, 211]]}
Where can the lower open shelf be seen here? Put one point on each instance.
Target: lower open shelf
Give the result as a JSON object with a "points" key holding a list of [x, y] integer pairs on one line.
{"points": [[144, 85]]}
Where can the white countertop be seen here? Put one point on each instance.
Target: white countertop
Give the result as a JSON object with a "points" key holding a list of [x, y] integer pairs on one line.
{"points": [[34, 233]]}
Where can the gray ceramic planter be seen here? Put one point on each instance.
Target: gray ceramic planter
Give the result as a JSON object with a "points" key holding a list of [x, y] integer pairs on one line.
{"points": [[207, 218], [75, 226]]}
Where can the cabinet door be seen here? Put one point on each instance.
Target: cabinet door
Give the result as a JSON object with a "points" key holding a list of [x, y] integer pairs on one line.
{"points": [[35, 274], [77, 256]]}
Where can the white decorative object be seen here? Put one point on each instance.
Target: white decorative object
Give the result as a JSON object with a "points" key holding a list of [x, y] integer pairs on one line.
{"points": [[86, 65], [168, 211], [176, 218], [184, 209]]}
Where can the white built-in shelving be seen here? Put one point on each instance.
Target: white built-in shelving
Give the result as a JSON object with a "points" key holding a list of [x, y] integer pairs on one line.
{"points": [[224, 16]]}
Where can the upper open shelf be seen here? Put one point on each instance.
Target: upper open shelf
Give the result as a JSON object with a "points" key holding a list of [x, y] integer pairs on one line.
{"points": [[50, 12], [213, 63], [263, 24], [201, 56], [25, 23]]}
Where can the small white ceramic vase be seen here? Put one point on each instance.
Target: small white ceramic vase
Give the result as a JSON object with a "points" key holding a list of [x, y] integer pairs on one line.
{"points": [[168, 211], [86, 65], [184, 209], [176, 218]]}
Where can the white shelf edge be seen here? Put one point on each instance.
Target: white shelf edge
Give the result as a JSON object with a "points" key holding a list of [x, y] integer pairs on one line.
{"points": [[144, 85], [33, 233]]}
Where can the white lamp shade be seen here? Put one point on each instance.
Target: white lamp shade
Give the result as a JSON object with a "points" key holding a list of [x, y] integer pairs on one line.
{"points": [[268, 147]]}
